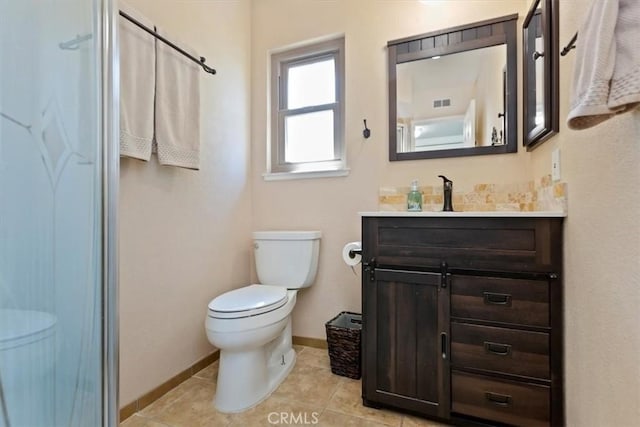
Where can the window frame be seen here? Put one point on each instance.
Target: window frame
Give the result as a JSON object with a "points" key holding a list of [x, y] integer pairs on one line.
{"points": [[281, 62]]}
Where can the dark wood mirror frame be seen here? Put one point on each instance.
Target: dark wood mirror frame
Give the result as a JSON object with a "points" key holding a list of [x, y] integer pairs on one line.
{"points": [[533, 134], [462, 38]]}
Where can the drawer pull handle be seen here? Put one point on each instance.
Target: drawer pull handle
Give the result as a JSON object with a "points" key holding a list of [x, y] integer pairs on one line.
{"points": [[497, 348], [492, 298], [498, 399]]}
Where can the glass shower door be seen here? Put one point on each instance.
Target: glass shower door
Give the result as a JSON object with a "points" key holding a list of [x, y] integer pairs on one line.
{"points": [[52, 214]]}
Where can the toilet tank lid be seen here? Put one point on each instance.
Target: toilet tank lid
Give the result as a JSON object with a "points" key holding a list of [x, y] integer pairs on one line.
{"points": [[286, 235]]}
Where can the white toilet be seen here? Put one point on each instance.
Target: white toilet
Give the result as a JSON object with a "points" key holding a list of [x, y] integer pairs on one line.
{"points": [[252, 325], [27, 357]]}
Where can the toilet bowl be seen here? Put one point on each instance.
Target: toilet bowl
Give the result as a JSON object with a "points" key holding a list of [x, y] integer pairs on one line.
{"points": [[27, 355], [252, 325]]}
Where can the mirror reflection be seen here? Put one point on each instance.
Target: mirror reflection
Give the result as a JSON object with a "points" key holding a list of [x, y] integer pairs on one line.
{"points": [[539, 71], [535, 44], [451, 101], [453, 92]]}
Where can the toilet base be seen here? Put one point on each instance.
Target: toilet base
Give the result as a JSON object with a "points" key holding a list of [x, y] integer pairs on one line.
{"points": [[237, 392], [247, 377]]}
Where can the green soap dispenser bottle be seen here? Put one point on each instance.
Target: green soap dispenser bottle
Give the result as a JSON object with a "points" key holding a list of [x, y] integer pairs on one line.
{"points": [[414, 198]]}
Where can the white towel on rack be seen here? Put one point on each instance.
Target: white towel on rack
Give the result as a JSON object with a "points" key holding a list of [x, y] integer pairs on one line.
{"points": [[137, 85], [177, 106], [607, 71]]}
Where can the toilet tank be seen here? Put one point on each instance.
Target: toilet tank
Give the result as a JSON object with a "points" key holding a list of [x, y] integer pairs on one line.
{"points": [[286, 258]]}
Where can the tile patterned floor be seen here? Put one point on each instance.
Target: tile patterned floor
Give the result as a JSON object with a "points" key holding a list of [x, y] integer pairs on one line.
{"points": [[311, 392]]}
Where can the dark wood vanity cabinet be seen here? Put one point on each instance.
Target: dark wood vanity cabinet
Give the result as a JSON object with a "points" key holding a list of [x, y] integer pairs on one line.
{"points": [[462, 318]]}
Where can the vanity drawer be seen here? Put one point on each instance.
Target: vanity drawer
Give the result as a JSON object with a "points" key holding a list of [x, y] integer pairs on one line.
{"points": [[498, 299], [500, 244], [509, 402], [503, 350]]}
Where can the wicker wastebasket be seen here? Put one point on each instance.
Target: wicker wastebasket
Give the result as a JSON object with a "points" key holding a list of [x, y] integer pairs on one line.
{"points": [[343, 337]]}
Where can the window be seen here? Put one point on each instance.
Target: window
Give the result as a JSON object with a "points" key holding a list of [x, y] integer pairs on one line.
{"points": [[307, 109]]}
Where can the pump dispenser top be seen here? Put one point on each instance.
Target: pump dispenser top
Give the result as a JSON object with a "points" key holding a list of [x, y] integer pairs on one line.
{"points": [[414, 198]]}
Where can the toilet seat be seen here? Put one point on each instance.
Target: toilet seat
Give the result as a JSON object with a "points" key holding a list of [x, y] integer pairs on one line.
{"points": [[248, 301]]}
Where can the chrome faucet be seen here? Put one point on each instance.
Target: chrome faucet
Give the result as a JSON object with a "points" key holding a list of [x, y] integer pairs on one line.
{"points": [[447, 190]]}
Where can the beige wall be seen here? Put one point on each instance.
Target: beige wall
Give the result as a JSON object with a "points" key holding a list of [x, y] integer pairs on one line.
{"points": [[332, 204], [602, 255], [184, 235], [602, 246]]}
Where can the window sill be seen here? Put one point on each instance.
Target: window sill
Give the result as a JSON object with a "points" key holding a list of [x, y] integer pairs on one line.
{"points": [[281, 176]]}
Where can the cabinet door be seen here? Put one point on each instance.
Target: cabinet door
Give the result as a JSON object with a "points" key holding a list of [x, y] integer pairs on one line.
{"points": [[406, 341]]}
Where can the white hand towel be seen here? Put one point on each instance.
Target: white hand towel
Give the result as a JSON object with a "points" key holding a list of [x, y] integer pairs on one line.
{"points": [[607, 71], [177, 106], [137, 85], [625, 83]]}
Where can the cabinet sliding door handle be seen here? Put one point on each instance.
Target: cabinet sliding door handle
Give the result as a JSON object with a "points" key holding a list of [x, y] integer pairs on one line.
{"points": [[492, 298], [443, 344]]}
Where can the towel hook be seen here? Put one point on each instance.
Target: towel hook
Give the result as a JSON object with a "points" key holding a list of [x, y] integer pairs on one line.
{"points": [[366, 132], [570, 45]]}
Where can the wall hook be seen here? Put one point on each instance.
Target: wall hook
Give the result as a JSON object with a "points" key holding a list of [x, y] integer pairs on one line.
{"points": [[570, 45], [366, 132]]}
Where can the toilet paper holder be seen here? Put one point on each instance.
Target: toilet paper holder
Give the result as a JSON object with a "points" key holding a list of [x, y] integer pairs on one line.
{"points": [[354, 252]]}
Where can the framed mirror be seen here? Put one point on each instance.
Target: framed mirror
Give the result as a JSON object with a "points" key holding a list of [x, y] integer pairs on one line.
{"points": [[453, 92], [540, 66]]}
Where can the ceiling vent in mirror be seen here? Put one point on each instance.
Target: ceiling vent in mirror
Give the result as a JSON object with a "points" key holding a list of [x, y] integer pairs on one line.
{"points": [[438, 103]]}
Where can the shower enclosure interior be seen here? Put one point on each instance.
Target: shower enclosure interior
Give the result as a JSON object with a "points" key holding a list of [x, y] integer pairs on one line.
{"points": [[57, 175]]}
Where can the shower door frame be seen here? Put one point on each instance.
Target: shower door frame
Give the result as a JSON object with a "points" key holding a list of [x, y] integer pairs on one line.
{"points": [[110, 89]]}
